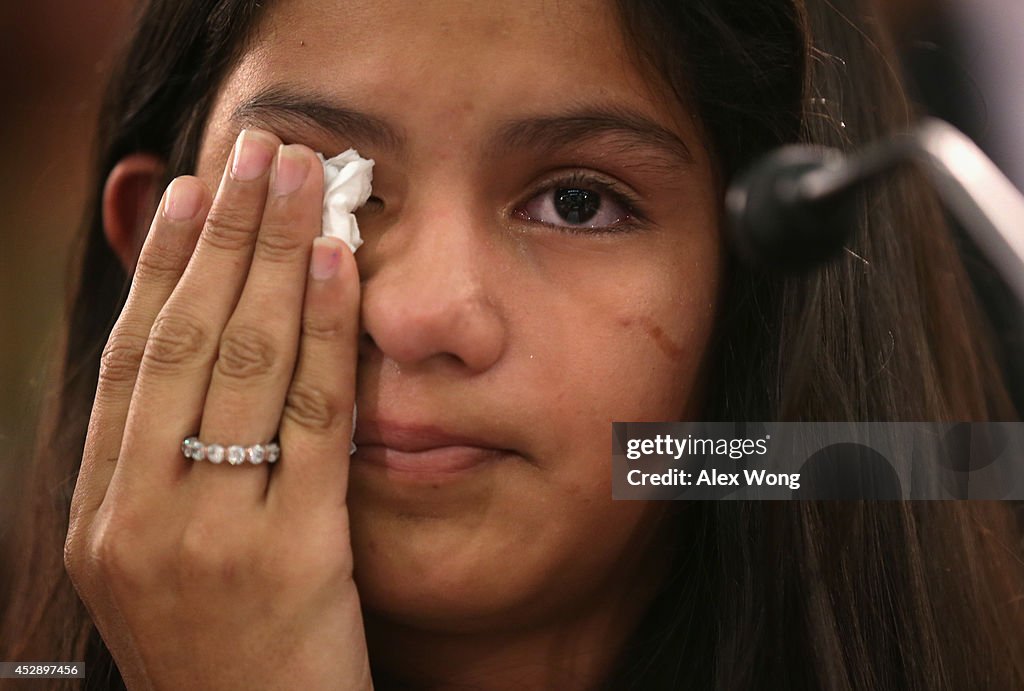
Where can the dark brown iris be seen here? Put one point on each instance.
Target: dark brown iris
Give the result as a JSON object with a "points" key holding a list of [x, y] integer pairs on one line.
{"points": [[576, 206]]}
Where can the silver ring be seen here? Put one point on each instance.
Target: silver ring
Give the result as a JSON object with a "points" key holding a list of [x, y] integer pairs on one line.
{"points": [[234, 454]]}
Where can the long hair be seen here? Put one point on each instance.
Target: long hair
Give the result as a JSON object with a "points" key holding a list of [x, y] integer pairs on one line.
{"points": [[926, 595]]}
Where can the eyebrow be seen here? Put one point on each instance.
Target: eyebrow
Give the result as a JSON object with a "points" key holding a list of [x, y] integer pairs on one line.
{"points": [[279, 106], [629, 129], [282, 107]]}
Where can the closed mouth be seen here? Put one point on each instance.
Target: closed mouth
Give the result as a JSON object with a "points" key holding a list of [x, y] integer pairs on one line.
{"points": [[421, 448]]}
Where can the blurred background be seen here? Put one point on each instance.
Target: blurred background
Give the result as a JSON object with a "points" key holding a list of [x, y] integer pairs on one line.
{"points": [[963, 57], [56, 55]]}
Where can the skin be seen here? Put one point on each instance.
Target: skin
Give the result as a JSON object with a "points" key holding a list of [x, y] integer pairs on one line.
{"points": [[472, 308]]}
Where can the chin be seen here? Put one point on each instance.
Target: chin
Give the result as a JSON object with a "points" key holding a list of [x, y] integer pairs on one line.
{"points": [[425, 573]]}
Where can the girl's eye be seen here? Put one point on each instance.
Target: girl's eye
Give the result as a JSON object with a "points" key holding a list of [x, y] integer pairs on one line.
{"points": [[574, 205], [373, 204]]}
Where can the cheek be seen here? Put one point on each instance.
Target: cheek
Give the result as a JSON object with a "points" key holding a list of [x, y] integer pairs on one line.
{"points": [[629, 345]]}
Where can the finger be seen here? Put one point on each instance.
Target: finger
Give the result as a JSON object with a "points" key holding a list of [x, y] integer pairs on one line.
{"points": [[176, 365], [316, 427], [258, 347], [169, 243]]}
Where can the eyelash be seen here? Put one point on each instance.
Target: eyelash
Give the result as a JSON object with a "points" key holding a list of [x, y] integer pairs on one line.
{"points": [[634, 219]]}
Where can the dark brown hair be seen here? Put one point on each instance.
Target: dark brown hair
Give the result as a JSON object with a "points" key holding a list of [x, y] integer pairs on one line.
{"points": [[896, 595]]}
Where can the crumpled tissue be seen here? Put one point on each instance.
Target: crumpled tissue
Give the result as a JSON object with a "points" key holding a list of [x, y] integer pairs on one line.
{"points": [[347, 179]]}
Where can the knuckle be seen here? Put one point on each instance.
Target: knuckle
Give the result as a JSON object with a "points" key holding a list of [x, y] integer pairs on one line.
{"points": [[121, 357], [326, 327], [75, 562], [245, 353], [204, 555], [113, 556], [105, 554], [277, 243], [228, 230], [310, 407], [158, 264], [174, 341]]}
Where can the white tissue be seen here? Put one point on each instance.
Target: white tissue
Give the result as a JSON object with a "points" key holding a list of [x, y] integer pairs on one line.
{"points": [[347, 179]]}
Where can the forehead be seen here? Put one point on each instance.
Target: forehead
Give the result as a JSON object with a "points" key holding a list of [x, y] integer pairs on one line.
{"points": [[447, 68], [389, 40]]}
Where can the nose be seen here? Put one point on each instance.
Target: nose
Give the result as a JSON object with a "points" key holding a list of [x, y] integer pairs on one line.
{"points": [[428, 295]]}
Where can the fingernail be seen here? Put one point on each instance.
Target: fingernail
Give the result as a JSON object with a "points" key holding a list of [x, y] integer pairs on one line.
{"points": [[183, 200], [253, 155], [291, 171], [326, 258]]}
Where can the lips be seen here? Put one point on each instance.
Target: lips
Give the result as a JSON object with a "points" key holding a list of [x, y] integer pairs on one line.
{"points": [[421, 448]]}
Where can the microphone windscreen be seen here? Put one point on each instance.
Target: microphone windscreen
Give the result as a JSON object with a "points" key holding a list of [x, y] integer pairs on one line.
{"points": [[774, 225]]}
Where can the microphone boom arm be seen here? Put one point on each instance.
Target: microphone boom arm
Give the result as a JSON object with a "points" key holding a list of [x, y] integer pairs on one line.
{"points": [[974, 190]]}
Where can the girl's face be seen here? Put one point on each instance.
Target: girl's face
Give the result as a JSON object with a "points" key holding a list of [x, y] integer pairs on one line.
{"points": [[542, 257]]}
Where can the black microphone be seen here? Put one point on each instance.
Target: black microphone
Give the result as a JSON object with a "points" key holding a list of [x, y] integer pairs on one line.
{"points": [[797, 207], [779, 221]]}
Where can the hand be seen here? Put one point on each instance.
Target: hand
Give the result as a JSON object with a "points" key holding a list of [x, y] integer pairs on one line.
{"points": [[205, 576]]}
